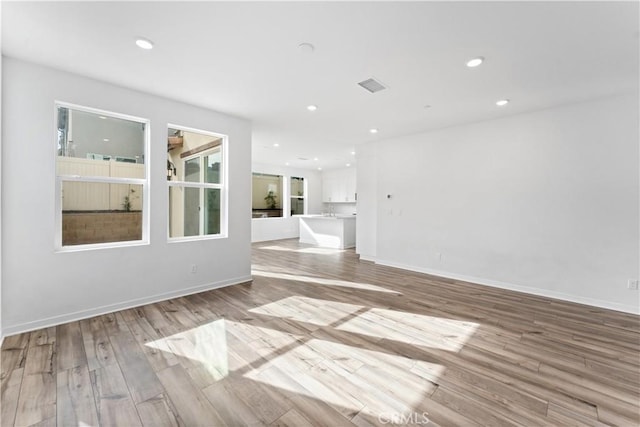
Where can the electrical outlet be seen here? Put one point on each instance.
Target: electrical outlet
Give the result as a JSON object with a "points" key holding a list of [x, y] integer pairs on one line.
{"points": [[633, 284], [194, 268]]}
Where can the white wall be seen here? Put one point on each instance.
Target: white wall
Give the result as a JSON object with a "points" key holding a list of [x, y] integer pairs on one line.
{"points": [[367, 219], [546, 202], [263, 229], [1, 149], [42, 287]]}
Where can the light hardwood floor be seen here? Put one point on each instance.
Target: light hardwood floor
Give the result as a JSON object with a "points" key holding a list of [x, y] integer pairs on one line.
{"points": [[320, 338]]}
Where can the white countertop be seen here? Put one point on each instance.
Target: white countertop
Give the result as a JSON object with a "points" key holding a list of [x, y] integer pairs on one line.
{"points": [[334, 217]]}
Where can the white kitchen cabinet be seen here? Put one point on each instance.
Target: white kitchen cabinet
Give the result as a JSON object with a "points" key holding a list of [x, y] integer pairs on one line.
{"points": [[328, 231], [339, 186]]}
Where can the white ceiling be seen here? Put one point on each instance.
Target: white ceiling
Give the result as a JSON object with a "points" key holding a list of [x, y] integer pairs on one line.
{"points": [[243, 58]]}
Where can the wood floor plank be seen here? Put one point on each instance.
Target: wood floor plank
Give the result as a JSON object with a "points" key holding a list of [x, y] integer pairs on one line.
{"points": [[49, 422], [158, 412], [41, 358], [616, 418], [192, 407], [13, 354], [229, 406], [96, 344], [138, 373], [564, 416], [114, 404], [267, 403], [37, 401], [152, 343], [292, 418], [70, 347], [601, 395], [114, 323], [75, 401], [322, 414], [459, 403], [443, 415], [9, 394]]}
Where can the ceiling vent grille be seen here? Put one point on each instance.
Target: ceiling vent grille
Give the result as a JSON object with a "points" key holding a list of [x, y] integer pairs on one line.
{"points": [[372, 85]]}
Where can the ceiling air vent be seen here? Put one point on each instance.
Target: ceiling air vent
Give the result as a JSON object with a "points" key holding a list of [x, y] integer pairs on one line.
{"points": [[372, 85]]}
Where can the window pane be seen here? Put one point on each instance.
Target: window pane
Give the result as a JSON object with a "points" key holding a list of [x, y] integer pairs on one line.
{"points": [[204, 151], [91, 144], [176, 211], [191, 211], [192, 170], [297, 206], [297, 187], [212, 211], [100, 212], [192, 207], [212, 163], [267, 196]]}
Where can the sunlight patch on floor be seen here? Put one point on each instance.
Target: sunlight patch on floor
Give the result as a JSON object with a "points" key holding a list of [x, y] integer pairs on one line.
{"points": [[310, 250], [309, 310], [351, 379], [322, 281], [411, 328], [333, 364], [206, 344]]}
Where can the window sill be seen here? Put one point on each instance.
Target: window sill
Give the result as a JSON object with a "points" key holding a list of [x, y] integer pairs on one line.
{"points": [[196, 238], [97, 246]]}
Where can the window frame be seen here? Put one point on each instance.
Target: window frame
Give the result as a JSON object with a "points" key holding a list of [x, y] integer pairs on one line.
{"points": [[222, 186], [60, 179]]}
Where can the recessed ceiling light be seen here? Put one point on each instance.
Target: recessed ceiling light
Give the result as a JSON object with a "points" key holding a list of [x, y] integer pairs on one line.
{"points": [[286, 164], [102, 117], [472, 63], [312, 107], [276, 145], [106, 139], [144, 43], [353, 153], [348, 164], [502, 102], [319, 169], [306, 47], [315, 158], [374, 130]]}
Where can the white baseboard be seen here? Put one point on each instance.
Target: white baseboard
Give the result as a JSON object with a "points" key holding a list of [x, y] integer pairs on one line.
{"points": [[631, 309], [97, 311]]}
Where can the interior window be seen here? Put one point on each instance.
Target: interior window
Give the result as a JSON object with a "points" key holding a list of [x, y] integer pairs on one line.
{"points": [[196, 185], [297, 196], [267, 196], [101, 180]]}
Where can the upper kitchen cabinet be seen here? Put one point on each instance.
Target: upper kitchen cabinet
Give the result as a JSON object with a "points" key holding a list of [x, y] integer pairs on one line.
{"points": [[339, 186]]}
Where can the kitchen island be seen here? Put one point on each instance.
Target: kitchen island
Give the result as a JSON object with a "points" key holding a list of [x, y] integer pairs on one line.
{"points": [[335, 231]]}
